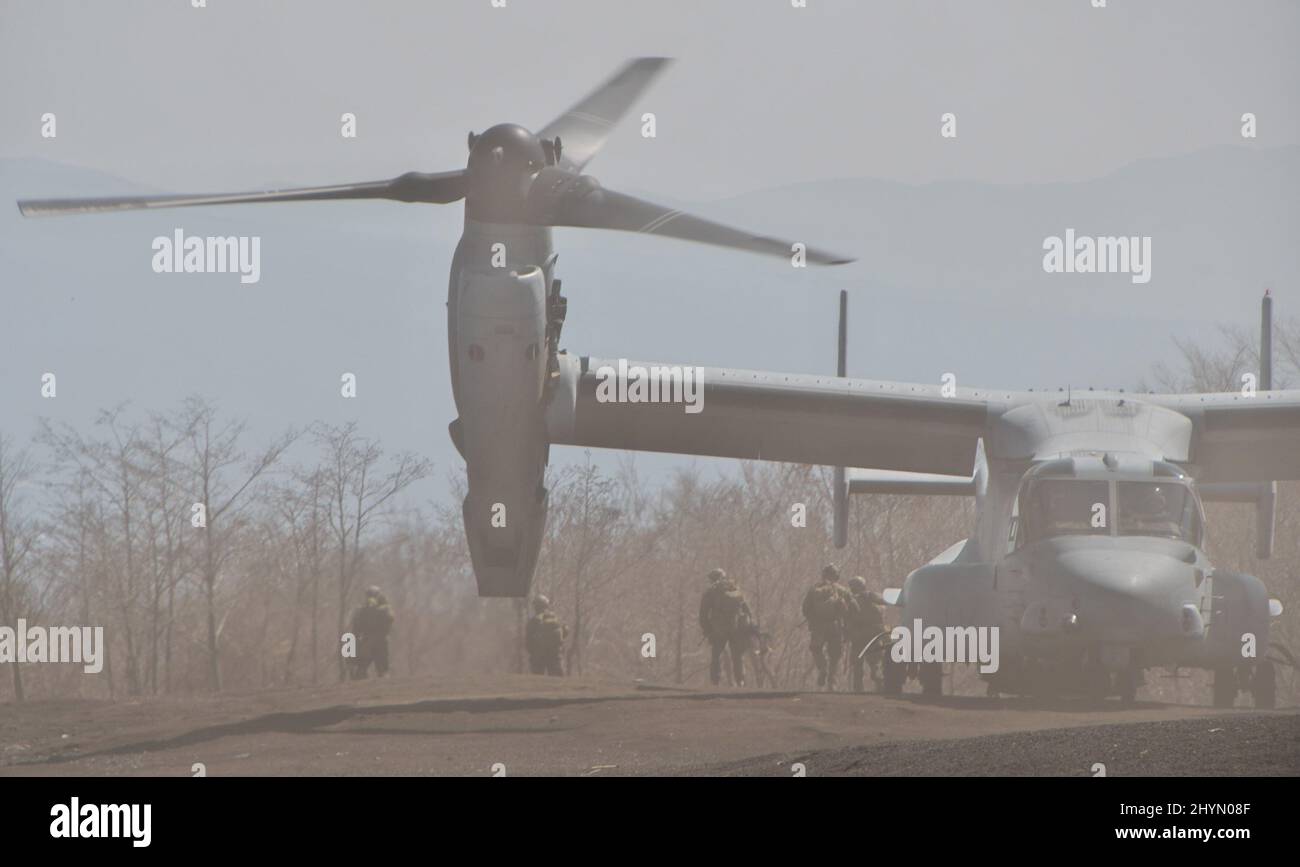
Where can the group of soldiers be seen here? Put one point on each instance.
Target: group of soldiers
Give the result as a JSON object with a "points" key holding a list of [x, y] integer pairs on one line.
{"points": [[836, 615]]}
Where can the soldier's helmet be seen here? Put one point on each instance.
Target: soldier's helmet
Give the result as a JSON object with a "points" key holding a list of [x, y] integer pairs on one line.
{"points": [[373, 592], [716, 575], [858, 584], [540, 603], [831, 572]]}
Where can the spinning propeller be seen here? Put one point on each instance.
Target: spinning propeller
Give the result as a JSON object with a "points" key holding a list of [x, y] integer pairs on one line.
{"points": [[513, 176]]}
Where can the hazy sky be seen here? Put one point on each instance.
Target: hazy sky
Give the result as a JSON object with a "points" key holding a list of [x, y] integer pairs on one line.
{"points": [[243, 92]]}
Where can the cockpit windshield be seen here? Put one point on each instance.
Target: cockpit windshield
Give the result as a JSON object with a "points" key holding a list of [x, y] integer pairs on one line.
{"points": [[1083, 507], [1158, 509], [1055, 507]]}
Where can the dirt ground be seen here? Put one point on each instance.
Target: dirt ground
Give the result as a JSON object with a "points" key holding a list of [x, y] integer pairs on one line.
{"points": [[574, 726]]}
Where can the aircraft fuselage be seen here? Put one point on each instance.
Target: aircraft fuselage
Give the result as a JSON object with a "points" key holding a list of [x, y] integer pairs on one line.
{"points": [[1091, 564]]}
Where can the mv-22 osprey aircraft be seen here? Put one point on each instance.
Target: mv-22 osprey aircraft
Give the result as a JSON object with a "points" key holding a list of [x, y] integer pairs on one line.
{"points": [[1076, 601]]}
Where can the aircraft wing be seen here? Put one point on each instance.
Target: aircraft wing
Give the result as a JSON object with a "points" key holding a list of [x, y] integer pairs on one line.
{"points": [[1241, 439], [794, 418]]}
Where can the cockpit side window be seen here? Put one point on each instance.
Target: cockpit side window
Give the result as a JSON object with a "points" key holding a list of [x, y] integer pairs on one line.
{"points": [[1158, 509], [1064, 507]]}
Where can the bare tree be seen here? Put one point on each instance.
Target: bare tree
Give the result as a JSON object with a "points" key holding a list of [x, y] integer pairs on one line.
{"points": [[357, 489], [221, 474], [73, 555], [111, 465], [166, 539], [18, 536], [302, 513], [1219, 367]]}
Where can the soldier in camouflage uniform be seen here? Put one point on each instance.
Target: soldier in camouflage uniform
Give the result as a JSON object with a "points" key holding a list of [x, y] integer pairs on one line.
{"points": [[544, 638], [864, 623], [371, 624], [826, 608], [725, 619]]}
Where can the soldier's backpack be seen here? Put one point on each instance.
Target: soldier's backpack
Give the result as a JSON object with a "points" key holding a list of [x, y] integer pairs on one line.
{"points": [[727, 610], [863, 620], [548, 634], [872, 619], [824, 605], [372, 621]]}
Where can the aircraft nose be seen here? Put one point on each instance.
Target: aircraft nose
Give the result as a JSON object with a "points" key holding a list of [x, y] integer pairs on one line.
{"points": [[1116, 596]]}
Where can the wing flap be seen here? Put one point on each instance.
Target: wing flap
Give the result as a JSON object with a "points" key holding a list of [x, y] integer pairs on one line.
{"points": [[1242, 439]]}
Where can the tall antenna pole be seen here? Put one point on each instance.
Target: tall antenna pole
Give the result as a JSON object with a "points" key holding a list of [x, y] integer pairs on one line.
{"points": [[1265, 343], [842, 362], [840, 495]]}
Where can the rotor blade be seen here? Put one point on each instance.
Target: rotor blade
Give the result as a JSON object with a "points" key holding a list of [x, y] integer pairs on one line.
{"points": [[592, 206], [437, 188], [584, 128]]}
